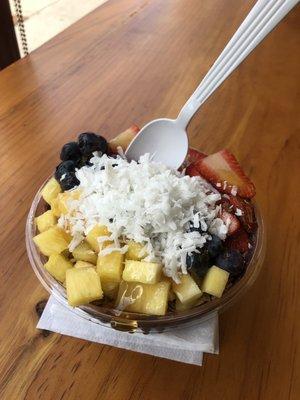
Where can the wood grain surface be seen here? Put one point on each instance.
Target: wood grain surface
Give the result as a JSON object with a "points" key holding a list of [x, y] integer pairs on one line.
{"points": [[131, 61]]}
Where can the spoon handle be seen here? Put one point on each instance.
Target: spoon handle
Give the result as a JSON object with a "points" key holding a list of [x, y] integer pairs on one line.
{"points": [[263, 17]]}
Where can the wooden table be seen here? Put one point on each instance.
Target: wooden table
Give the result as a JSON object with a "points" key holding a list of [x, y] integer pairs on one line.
{"points": [[134, 60]]}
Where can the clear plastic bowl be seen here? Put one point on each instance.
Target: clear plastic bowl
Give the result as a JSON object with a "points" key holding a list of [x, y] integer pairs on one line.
{"points": [[132, 322]]}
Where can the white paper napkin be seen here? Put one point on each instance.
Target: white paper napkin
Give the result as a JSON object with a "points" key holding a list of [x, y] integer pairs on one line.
{"points": [[186, 344]]}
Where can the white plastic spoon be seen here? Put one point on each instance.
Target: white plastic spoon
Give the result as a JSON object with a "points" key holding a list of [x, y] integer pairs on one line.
{"points": [[166, 139]]}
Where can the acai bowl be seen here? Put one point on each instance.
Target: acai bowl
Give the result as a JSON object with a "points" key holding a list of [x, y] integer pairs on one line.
{"points": [[138, 246]]}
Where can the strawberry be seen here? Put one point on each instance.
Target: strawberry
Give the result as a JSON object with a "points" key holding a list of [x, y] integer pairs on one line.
{"points": [[224, 172], [191, 170], [230, 221], [239, 241], [245, 212], [194, 155]]}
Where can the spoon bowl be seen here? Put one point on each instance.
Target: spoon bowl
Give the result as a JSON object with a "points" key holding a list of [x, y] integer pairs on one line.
{"points": [[164, 139]]}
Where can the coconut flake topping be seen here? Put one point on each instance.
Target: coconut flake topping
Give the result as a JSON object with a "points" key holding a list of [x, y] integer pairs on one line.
{"points": [[146, 202]]}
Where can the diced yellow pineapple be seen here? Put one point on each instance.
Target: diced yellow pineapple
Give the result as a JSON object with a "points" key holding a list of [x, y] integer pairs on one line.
{"points": [[57, 265], [54, 240], [156, 298], [55, 207], [83, 286], [94, 234], [65, 198], [186, 306], [136, 251], [110, 289], [84, 252], [130, 296], [51, 190], [84, 264], [45, 221], [146, 299], [141, 271], [215, 281], [110, 267], [187, 290]]}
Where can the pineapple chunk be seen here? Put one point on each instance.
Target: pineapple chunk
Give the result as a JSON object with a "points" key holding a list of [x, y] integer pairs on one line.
{"points": [[83, 286], [140, 271], [110, 267], [147, 299], [186, 306], [110, 289], [94, 234], [64, 198], [45, 221], [57, 265], [54, 240], [136, 251], [83, 264], [50, 190], [83, 252], [187, 290], [215, 281], [55, 208]]}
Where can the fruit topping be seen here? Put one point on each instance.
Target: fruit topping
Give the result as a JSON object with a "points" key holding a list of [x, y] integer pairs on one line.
{"points": [[199, 262], [71, 151], [214, 246], [50, 190], [223, 171], [69, 181], [89, 142], [65, 175], [194, 156], [64, 168], [192, 170], [187, 290], [239, 241], [123, 139], [231, 261], [231, 221], [244, 210], [215, 281]]}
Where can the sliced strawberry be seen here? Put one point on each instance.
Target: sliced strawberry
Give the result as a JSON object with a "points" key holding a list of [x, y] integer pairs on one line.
{"points": [[239, 241], [223, 171], [244, 210], [191, 170], [194, 155], [231, 221], [189, 163], [123, 139]]}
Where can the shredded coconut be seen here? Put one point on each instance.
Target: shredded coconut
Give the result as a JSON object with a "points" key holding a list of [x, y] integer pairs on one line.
{"points": [[238, 212], [146, 202], [234, 191]]}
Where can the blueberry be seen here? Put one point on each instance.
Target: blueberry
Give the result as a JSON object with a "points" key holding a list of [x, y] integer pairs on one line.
{"points": [[64, 168], [69, 181], [214, 246], [70, 151], [89, 142], [199, 262], [232, 261]]}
